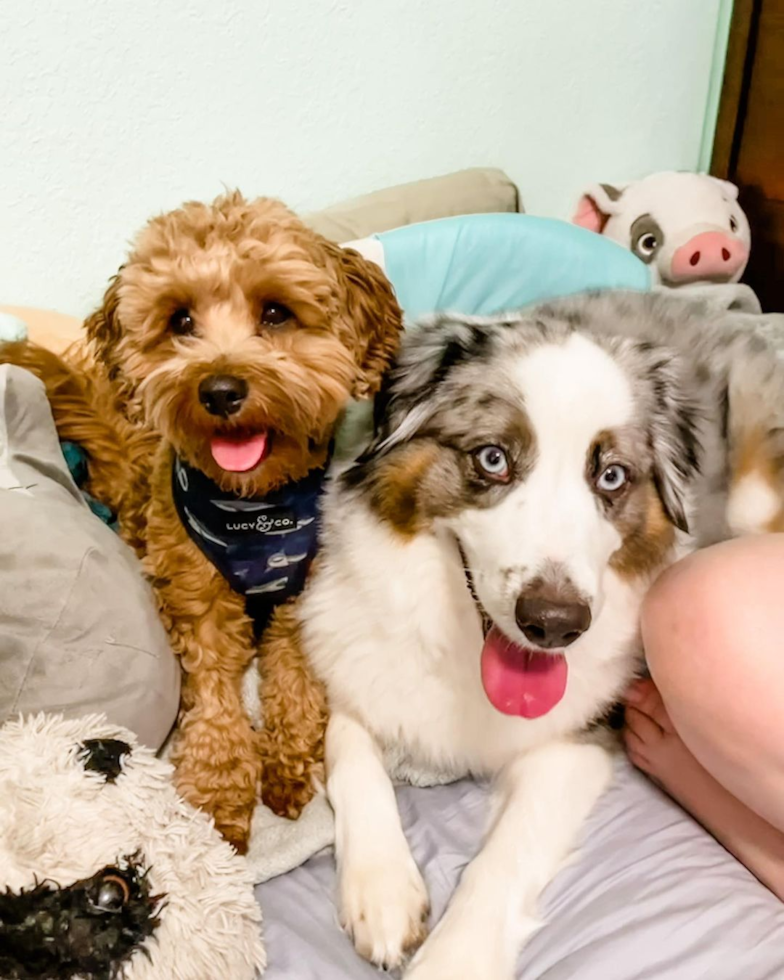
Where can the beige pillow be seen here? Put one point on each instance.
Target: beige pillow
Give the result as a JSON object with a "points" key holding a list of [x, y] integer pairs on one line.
{"points": [[475, 191]]}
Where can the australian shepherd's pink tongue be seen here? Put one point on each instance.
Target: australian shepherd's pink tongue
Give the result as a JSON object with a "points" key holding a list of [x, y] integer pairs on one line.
{"points": [[521, 682], [238, 454]]}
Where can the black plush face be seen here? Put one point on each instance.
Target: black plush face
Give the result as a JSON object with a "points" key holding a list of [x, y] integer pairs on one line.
{"points": [[88, 929], [104, 755]]}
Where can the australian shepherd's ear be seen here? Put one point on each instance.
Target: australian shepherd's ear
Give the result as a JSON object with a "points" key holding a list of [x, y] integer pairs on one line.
{"points": [[373, 315], [673, 433], [411, 391], [104, 331]]}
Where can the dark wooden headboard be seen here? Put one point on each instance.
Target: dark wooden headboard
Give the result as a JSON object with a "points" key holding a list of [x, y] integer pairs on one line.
{"points": [[749, 144]]}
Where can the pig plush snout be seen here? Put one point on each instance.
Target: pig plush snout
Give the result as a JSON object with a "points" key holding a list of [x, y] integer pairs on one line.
{"points": [[712, 255]]}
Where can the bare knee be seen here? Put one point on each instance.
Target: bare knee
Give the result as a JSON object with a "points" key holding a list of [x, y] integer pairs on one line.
{"points": [[678, 611], [701, 616]]}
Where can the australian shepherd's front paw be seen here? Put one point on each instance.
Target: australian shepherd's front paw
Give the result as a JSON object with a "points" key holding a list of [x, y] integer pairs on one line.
{"points": [[448, 957], [470, 943], [384, 908]]}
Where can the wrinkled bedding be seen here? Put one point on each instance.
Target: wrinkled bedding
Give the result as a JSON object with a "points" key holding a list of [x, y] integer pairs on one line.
{"points": [[650, 895]]}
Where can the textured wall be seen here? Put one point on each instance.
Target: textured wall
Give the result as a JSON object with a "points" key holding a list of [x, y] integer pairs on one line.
{"points": [[113, 109]]}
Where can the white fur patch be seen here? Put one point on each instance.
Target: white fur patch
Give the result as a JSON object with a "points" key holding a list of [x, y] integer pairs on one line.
{"points": [[571, 393], [573, 390], [753, 504]]}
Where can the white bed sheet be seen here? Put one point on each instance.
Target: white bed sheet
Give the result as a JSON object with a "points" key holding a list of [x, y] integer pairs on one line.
{"points": [[650, 895]]}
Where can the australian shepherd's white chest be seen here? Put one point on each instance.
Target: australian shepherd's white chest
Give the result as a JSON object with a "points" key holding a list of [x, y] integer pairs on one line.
{"points": [[477, 604]]}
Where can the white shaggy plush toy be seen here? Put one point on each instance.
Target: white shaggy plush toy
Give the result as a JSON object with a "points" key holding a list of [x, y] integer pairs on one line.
{"points": [[105, 872], [688, 228]]}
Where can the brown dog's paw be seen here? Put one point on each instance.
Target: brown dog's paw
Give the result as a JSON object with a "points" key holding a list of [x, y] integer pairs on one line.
{"points": [[228, 793], [234, 828], [286, 797], [240, 844]]}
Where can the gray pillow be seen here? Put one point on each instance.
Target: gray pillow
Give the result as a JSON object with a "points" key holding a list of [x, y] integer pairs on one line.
{"points": [[79, 628]]}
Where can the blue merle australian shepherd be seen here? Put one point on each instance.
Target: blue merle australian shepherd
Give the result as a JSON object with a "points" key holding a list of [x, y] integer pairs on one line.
{"points": [[476, 608]]}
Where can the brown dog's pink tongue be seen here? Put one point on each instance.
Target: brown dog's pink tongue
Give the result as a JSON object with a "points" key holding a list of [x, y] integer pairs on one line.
{"points": [[521, 682], [239, 454]]}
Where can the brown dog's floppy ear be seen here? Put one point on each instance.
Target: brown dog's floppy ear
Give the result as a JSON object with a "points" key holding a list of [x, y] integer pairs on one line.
{"points": [[103, 328], [373, 315]]}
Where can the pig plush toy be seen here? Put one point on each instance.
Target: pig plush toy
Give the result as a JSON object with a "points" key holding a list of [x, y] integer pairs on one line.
{"points": [[688, 228]]}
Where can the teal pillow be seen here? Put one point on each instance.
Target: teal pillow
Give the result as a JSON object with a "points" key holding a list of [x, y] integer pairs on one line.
{"points": [[482, 264]]}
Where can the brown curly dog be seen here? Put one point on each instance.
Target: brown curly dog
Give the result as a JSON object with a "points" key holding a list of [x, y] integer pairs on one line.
{"points": [[209, 389]]}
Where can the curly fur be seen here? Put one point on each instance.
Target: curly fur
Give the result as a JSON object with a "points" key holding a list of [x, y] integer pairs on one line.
{"points": [[130, 397]]}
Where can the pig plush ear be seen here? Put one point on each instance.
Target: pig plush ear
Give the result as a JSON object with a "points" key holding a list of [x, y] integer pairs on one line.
{"points": [[729, 188], [596, 206]]}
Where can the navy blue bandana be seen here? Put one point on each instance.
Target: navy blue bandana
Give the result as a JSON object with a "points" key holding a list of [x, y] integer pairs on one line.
{"points": [[263, 546]]}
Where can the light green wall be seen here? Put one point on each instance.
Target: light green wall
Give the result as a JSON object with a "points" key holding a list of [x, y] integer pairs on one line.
{"points": [[113, 109], [723, 22]]}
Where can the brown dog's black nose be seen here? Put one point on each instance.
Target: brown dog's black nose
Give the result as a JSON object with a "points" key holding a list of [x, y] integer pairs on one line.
{"points": [[222, 394], [550, 623]]}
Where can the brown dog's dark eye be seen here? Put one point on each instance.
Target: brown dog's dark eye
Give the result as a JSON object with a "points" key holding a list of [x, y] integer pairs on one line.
{"points": [[274, 314], [181, 322]]}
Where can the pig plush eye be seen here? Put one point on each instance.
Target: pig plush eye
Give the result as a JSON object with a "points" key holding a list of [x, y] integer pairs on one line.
{"points": [[647, 243]]}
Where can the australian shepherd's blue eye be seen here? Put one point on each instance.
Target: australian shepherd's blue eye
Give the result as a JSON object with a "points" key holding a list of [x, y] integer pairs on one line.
{"points": [[614, 478], [492, 462]]}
